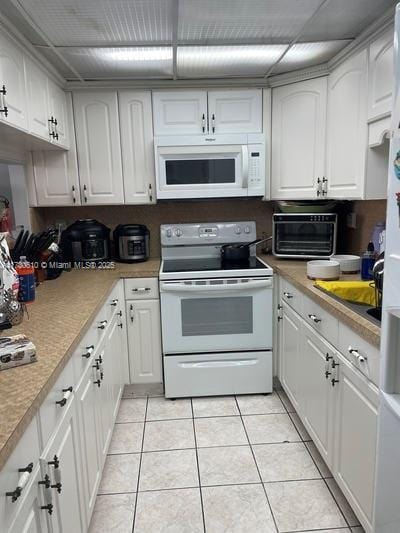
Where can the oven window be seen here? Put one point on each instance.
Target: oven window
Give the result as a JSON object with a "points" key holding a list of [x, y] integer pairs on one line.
{"points": [[217, 316], [304, 238], [200, 171]]}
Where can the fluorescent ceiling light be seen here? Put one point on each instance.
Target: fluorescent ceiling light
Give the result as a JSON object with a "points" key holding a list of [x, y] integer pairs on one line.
{"points": [[136, 54]]}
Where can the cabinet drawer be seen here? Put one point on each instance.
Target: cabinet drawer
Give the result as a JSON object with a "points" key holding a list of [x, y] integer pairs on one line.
{"points": [[51, 411], [359, 352], [26, 452], [322, 321], [141, 288], [291, 295]]}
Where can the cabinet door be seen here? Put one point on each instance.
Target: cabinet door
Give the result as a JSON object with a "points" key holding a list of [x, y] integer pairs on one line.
{"points": [[235, 111], [55, 173], [317, 356], [87, 405], [381, 75], [144, 341], [37, 95], [104, 383], [99, 147], [31, 518], [298, 139], [180, 112], [12, 76], [58, 110], [347, 128], [290, 350], [62, 462], [137, 146], [114, 364], [356, 434]]}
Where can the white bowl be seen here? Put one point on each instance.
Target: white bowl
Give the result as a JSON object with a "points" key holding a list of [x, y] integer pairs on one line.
{"points": [[323, 269], [349, 264]]}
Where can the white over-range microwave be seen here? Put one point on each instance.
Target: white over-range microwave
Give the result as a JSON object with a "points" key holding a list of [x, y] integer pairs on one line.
{"points": [[214, 166]]}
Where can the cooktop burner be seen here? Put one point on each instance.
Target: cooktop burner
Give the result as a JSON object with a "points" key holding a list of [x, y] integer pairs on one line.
{"points": [[209, 263]]}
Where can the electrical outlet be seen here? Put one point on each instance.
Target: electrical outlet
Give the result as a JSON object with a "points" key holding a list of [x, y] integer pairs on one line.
{"points": [[352, 220]]}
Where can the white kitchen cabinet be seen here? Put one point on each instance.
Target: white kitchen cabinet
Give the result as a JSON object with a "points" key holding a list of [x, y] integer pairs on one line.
{"points": [[31, 518], [58, 109], [55, 173], [38, 103], [180, 112], [144, 341], [290, 351], [347, 129], [116, 364], [98, 147], [318, 408], [12, 81], [355, 439], [136, 124], [61, 461], [87, 396], [381, 75], [235, 111], [298, 139]]}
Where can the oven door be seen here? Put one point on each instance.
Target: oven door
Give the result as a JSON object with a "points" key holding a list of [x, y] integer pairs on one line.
{"points": [[201, 171], [214, 315], [304, 239]]}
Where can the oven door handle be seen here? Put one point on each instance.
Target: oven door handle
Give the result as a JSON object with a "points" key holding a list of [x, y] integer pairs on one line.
{"points": [[178, 287], [245, 166], [219, 363]]}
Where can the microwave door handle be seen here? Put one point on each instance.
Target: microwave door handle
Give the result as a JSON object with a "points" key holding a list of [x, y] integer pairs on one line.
{"points": [[170, 287], [245, 166]]}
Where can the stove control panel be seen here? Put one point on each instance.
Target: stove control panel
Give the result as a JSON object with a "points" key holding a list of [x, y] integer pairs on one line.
{"points": [[207, 233]]}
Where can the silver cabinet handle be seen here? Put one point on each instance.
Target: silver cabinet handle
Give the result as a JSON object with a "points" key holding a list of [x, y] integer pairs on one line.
{"points": [[102, 324], [131, 313], [141, 289], [314, 318], [22, 481], [288, 295]]}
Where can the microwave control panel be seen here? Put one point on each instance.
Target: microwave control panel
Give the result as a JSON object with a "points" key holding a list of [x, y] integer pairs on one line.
{"points": [[256, 165]]}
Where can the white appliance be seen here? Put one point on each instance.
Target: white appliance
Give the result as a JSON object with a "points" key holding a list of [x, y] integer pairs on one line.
{"points": [[214, 166], [216, 317], [387, 489]]}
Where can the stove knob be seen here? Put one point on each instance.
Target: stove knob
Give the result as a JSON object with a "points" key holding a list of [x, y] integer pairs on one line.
{"points": [[247, 229], [168, 232], [178, 232], [238, 230]]}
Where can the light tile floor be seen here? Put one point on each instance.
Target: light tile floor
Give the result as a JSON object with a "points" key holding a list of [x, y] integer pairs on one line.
{"points": [[216, 465]]}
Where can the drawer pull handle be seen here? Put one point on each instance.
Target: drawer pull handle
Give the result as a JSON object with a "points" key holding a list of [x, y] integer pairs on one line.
{"points": [[333, 381], [99, 360], [55, 462], [288, 295], [67, 393], [48, 508], [131, 313], [102, 324], [46, 482], [57, 486], [97, 382], [22, 481], [314, 318], [114, 303], [141, 289], [328, 357], [360, 358], [89, 351]]}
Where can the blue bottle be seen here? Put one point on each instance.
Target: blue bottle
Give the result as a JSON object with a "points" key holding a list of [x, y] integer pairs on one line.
{"points": [[367, 262]]}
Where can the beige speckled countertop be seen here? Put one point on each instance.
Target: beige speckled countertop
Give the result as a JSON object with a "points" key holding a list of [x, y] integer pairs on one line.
{"points": [[295, 272], [61, 314]]}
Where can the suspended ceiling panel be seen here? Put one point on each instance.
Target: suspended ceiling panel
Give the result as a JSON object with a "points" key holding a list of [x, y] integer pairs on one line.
{"points": [[305, 55], [96, 22], [274, 20], [227, 61], [132, 62], [344, 19]]}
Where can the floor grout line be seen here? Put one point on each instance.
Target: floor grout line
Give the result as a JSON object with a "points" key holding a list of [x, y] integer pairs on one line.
{"points": [[258, 470], [198, 468], [140, 466], [337, 503]]}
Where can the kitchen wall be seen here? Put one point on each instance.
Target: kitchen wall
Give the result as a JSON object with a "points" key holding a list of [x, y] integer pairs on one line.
{"points": [[369, 212], [164, 213]]}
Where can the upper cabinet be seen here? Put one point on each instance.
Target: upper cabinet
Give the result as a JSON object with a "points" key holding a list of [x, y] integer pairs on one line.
{"points": [[136, 127], [182, 112], [347, 129], [98, 147], [13, 105], [57, 102], [298, 139], [381, 75]]}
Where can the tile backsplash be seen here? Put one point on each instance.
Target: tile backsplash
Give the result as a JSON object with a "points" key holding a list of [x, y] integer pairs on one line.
{"points": [[369, 213]]}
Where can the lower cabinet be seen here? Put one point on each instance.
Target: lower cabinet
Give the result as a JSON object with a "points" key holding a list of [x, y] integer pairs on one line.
{"points": [[337, 404], [31, 518], [144, 338]]}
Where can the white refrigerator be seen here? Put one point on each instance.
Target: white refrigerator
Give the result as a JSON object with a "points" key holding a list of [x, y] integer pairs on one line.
{"points": [[387, 490]]}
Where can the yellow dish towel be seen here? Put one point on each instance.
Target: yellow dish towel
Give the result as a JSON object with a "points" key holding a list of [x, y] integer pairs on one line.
{"points": [[354, 291]]}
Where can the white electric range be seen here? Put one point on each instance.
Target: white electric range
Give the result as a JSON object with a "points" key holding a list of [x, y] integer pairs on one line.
{"points": [[216, 317]]}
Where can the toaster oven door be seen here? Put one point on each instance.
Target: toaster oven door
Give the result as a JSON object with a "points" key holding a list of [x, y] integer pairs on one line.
{"points": [[311, 239]]}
